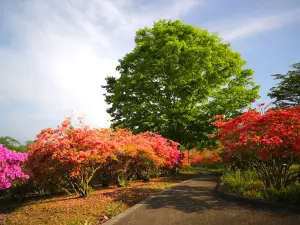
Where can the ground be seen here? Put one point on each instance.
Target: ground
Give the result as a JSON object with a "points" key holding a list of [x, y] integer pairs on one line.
{"points": [[191, 202], [197, 202], [95, 209]]}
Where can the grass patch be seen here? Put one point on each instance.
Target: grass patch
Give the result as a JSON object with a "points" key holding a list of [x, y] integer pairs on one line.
{"points": [[247, 183], [189, 172], [214, 170], [115, 208]]}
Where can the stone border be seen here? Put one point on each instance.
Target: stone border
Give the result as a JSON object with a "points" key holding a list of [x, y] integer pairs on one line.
{"points": [[256, 202], [120, 216]]}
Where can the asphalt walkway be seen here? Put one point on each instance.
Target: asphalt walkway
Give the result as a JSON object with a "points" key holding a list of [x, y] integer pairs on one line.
{"points": [[196, 202]]}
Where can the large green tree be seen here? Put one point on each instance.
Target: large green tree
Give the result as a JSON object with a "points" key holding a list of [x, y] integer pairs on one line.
{"points": [[287, 92], [175, 79]]}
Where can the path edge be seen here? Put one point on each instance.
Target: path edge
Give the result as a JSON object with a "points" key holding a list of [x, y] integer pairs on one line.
{"points": [[255, 201], [123, 214]]}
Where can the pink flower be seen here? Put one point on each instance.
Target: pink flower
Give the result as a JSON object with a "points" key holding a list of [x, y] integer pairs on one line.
{"points": [[11, 167]]}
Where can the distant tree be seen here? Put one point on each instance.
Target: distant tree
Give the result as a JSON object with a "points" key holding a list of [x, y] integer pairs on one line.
{"points": [[10, 143], [13, 144], [175, 79], [287, 92], [28, 143]]}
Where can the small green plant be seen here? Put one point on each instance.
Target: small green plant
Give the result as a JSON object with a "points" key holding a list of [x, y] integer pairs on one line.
{"points": [[87, 223], [80, 222], [114, 208], [123, 183]]}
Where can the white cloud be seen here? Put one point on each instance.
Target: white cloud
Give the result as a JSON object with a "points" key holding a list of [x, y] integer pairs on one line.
{"points": [[61, 51], [241, 28]]}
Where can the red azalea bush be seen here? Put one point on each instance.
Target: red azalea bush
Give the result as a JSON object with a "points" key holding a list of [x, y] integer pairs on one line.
{"points": [[69, 157], [268, 142]]}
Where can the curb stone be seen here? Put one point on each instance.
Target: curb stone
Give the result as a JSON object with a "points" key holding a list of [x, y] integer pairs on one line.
{"points": [[120, 216], [257, 202]]}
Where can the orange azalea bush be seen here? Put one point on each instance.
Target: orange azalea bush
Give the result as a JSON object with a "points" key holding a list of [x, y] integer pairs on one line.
{"points": [[206, 158], [139, 155], [188, 157], [69, 157]]}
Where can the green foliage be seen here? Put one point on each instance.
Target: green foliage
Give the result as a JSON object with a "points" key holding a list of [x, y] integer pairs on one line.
{"points": [[114, 208], [10, 143], [290, 194], [287, 92], [185, 168], [175, 79], [13, 144], [123, 181], [247, 183]]}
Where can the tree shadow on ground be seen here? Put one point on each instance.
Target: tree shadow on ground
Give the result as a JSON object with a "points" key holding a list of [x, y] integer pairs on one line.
{"points": [[192, 198], [130, 195], [8, 205]]}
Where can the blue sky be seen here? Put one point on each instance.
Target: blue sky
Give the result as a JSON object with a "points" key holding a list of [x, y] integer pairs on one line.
{"points": [[54, 55]]}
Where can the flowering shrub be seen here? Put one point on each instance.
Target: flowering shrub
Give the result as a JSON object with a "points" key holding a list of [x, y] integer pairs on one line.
{"points": [[266, 141], [206, 158], [69, 156], [190, 156], [11, 167], [140, 155]]}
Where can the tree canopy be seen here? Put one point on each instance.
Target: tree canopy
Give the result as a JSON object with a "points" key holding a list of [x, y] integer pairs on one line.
{"points": [[175, 79], [287, 92], [13, 144]]}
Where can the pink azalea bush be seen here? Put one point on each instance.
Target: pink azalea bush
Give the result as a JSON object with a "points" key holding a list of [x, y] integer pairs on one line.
{"points": [[11, 167]]}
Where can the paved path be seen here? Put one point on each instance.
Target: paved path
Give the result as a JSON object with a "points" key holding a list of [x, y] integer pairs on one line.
{"points": [[196, 202]]}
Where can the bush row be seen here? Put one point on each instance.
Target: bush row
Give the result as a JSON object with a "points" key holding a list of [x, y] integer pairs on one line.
{"points": [[72, 158]]}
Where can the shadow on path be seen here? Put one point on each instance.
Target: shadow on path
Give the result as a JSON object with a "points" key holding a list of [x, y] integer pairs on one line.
{"points": [[197, 202]]}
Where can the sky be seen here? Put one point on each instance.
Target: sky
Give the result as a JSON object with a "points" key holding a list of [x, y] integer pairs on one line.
{"points": [[55, 54]]}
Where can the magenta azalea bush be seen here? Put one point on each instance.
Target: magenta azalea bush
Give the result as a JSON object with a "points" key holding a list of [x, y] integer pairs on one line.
{"points": [[11, 163]]}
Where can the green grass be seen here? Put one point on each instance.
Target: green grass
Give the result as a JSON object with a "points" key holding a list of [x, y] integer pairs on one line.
{"points": [[188, 172], [192, 170], [247, 183], [211, 169], [215, 170]]}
